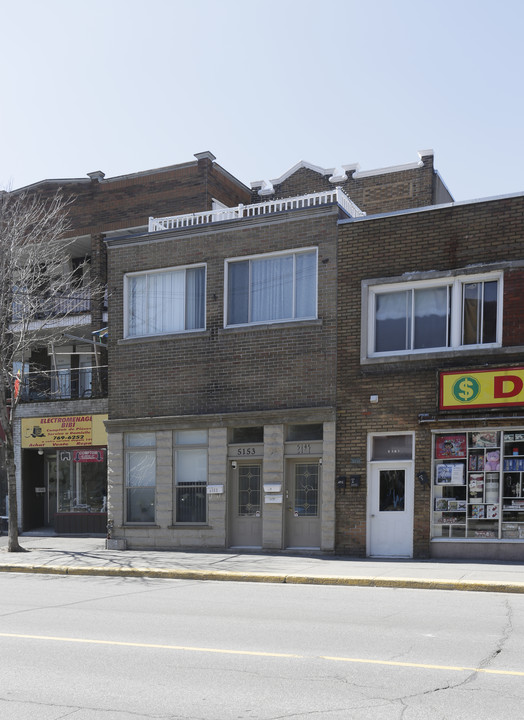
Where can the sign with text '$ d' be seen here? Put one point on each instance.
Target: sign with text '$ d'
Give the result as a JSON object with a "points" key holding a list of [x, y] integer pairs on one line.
{"points": [[482, 388]]}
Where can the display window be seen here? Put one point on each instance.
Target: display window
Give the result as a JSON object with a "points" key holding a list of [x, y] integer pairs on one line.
{"points": [[478, 484]]}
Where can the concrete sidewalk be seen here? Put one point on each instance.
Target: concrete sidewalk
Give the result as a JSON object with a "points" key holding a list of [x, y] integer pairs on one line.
{"points": [[88, 556]]}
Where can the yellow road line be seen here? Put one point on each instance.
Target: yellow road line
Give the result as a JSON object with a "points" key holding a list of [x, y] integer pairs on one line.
{"points": [[254, 653], [457, 668]]}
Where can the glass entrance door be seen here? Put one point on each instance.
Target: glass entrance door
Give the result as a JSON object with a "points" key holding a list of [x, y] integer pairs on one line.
{"points": [[245, 527], [302, 505]]}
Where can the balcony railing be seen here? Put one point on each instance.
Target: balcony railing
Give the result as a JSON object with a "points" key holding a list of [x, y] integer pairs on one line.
{"points": [[64, 384], [299, 202], [43, 307]]}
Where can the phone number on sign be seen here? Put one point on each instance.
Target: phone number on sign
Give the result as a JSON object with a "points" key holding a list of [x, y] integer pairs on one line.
{"points": [[68, 437]]}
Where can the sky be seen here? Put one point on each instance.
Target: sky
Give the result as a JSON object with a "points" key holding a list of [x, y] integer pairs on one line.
{"points": [[125, 86]]}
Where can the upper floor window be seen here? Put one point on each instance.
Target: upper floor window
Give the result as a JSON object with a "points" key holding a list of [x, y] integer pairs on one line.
{"points": [[434, 315], [272, 288], [165, 301]]}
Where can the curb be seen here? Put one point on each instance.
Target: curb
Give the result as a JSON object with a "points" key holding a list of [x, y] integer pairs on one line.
{"points": [[281, 578]]}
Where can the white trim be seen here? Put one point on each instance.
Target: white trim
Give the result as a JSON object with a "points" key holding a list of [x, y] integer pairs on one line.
{"points": [[372, 288], [302, 164], [385, 171]]}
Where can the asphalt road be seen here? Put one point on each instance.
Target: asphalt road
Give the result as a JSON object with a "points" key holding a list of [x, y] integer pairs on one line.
{"points": [[94, 648]]}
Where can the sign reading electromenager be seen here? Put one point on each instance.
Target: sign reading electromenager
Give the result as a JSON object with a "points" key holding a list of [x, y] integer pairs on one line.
{"points": [[482, 388]]}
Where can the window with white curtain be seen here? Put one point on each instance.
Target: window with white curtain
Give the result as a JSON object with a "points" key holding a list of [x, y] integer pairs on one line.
{"points": [[272, 288], [165, 301], [436, 315]]}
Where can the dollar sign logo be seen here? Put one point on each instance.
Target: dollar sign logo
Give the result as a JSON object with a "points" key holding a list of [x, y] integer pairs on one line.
{"points": [[466, 389]]}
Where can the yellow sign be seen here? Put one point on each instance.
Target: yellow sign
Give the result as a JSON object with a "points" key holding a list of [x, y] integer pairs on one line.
{"points": [[482, 388], [64, 431]]}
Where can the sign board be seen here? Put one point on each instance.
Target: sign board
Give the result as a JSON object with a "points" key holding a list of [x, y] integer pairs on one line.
{"points": [[273, 499], [64, 431], [88, 455], [482, 388], [215, 489], [272, 487]]}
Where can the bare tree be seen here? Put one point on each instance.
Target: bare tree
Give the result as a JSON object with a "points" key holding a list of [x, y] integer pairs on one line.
{"points": [[37, 285]]}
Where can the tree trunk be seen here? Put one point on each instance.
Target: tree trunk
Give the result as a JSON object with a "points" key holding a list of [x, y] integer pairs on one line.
{"points": [[12, 541]]}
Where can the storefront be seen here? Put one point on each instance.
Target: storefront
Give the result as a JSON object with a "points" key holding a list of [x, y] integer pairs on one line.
{"points": [[477, 499], [64, 473], [269, 486]]}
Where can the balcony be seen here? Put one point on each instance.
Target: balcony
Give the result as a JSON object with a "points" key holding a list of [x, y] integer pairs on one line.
{"points": [[64, 384], [329, 197], [42, 308]]}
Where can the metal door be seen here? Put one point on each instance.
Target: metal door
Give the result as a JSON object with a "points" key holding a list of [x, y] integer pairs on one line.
{"points": [[390, 510], [302, 505], [245, 526]]}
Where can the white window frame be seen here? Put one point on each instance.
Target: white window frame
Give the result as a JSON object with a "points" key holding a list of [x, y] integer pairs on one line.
{"points": [[266, 256], [370, 290], [157, 271]]}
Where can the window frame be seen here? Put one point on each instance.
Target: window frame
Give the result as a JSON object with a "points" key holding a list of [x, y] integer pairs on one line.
{"points": [[156, 271], [266, 256], [455, 285], [197, 446], [129, 450]]}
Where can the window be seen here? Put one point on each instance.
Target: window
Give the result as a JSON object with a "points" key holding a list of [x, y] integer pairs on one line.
{"points": [[301, 433], [165, 301], [272, 288], [191, 476], [433, 315], [140, 469]]}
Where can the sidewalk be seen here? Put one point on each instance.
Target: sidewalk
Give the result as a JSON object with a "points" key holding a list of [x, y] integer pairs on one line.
{"points": [[88, 556]]}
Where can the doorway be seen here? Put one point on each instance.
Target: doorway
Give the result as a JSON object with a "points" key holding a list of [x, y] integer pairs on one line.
{"points": [[302, 505], [245, 524], [390, 509]]}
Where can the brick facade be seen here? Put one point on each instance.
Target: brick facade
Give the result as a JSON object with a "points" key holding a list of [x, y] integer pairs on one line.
{"points": [[476, 236], [373, 192], [265, 367]]}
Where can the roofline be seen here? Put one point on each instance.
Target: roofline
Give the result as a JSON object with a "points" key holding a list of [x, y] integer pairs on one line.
{"points": [[353, 168], [428, 208], [128, 176]]}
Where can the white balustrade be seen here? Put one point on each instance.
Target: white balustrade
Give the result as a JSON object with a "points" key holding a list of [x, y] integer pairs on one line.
{"points": [[337, 195]]}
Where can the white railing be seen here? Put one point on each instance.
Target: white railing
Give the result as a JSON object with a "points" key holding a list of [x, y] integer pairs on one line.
{"points": [[328, 197]]}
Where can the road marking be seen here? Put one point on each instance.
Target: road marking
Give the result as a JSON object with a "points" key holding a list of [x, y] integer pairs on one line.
{"points": [[424, 666], [151, 646], [254, 653]]}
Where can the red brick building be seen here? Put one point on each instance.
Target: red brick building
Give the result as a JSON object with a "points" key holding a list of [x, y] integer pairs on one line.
{"points": [[63, 484], [430, 417], [223, 362]]}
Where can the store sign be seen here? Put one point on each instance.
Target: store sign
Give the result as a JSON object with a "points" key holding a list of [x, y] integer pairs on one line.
{"points": [[90, 455], [482, 388], [64, 431]]}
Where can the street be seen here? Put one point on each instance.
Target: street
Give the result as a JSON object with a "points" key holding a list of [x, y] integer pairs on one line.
{"points": [[120, 648]]}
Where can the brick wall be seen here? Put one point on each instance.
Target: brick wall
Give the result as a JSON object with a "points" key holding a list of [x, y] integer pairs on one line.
{"points": [[128, 201], [261, 367], [378, 193], [441, 240]]}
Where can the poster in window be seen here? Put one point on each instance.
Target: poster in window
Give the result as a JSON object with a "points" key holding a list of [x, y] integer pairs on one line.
{"points": [[484, 439], [450, 473], [450, 446]]}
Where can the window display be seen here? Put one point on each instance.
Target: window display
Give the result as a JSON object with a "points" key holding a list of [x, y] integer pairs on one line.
{"points": [[478, 485]]}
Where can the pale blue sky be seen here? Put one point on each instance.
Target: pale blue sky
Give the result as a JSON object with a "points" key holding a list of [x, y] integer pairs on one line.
{"points": [[128, 85]]}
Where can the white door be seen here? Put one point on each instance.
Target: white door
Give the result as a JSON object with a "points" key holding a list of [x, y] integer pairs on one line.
{"points": [[390, 509]]}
